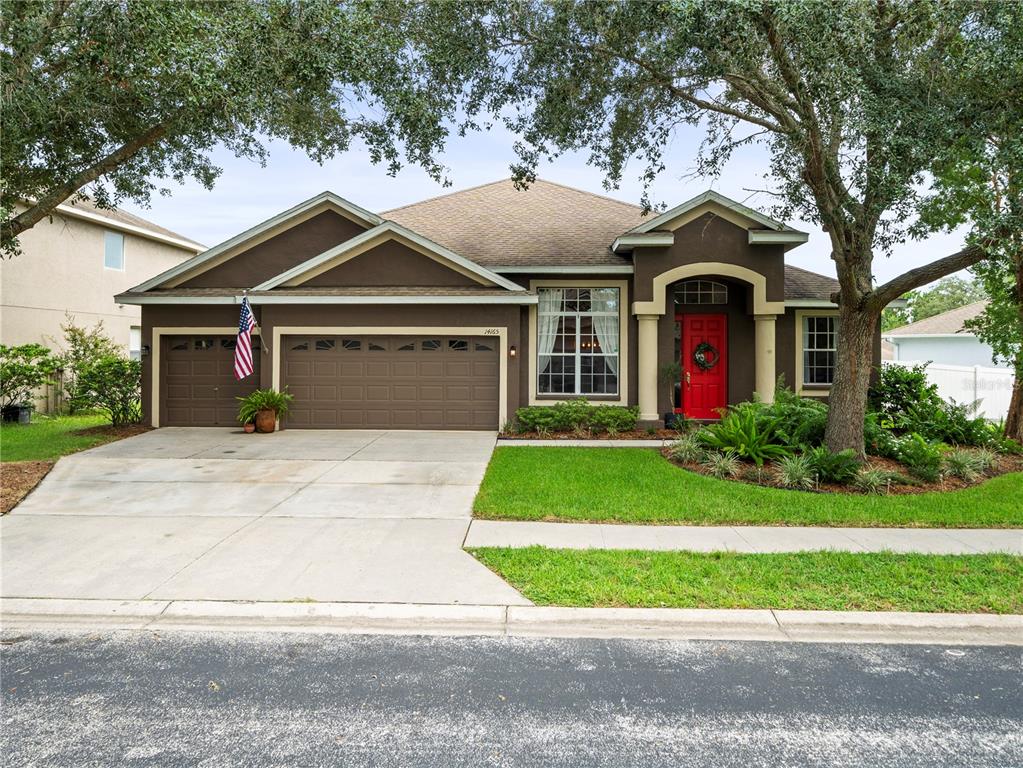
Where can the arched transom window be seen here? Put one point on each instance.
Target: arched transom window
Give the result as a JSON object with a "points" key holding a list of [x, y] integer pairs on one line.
{"points": [[701, 292]]}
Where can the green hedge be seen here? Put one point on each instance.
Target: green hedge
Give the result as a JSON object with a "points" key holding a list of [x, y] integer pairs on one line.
{"points": [[576, 415]]}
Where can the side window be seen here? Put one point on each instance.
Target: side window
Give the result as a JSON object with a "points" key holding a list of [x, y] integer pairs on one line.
{"points": [[113, 250]]}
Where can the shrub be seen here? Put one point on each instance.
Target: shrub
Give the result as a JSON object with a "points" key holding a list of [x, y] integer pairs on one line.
{"points": [[898, 389], [879, 441], [263, 400], [688, 449], [969, 465], [722, 465], [23, 370], [745, 432], [831, 467], [113, 384], [798, 420], [922, 458], [81, 348], [876, 481], [794, 472], [613, 418], [576, 416]]}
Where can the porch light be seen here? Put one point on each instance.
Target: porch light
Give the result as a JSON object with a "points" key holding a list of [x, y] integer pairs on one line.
{"points": [[512, 351]]}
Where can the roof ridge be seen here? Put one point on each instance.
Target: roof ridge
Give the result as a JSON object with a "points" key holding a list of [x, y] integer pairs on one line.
{"points": [[537, 180]]}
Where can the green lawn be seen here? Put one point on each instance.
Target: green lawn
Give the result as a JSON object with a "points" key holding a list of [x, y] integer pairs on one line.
{"points": [[839, 581], [633, 485], [49, 438]]}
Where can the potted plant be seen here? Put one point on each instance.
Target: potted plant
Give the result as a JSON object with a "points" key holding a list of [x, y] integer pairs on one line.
{"points": [[264, 407], [671, 377]]}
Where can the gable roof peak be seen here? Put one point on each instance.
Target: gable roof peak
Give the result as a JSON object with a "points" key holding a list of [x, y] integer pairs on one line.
{"points": [[712, 196]]}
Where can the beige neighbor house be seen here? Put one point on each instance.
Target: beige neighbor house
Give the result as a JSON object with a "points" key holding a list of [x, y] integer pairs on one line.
{"points": [[75, 262], [454, 312]]}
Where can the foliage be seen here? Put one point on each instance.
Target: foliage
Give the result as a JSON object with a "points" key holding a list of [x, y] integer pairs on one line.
{"points": [[688, 449], [879, 440], [263, 400], [576, 415], [950, 422], [949, 293], [965, 465], [898, 388], [80, 349], [798, 420], [744, 431], [840, 467], [875, 482], [23, 370], [721, 464], [921, 457], [122, 96], [795, 472], [113, 384]]}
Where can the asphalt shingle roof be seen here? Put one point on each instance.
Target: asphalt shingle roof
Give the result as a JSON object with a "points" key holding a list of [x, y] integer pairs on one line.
{"points": [[952, 321], [804, 284]]}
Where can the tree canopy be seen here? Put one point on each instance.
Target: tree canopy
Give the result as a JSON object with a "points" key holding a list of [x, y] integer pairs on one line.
{"points": [[120, 97], [948, 293]]}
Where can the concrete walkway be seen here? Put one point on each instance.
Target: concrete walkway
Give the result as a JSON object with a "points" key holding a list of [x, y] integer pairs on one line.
{"points": [[215, 514], [950, 541]]}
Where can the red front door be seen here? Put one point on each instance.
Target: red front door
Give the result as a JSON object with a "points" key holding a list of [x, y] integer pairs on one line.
{"points": [[704, 365]]}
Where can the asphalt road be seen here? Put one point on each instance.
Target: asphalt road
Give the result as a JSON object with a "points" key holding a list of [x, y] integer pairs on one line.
{"points": [[178, 699]]}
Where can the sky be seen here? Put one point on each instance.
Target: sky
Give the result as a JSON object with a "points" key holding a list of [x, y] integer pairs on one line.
{"points": [[247, 193]]}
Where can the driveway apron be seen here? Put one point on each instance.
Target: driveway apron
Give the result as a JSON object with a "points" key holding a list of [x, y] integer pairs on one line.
{"points": [[215, 514]]}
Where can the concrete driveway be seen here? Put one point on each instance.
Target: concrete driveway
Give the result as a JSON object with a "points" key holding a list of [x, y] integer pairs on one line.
{"points": [[215, 514]]}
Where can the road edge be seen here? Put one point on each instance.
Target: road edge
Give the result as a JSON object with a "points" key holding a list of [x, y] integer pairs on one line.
{"points": [[27, 614]]}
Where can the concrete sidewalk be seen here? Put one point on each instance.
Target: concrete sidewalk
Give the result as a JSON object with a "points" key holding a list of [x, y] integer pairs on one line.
{"points": [[514, 621], [752, 539]]}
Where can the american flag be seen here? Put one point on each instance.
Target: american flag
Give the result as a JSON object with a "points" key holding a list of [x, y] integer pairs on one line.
{"points": [[243, 347]]}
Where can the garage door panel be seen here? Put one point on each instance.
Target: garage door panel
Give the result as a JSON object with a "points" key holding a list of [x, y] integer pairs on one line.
{"points": [[198, 387], [393, 382]]}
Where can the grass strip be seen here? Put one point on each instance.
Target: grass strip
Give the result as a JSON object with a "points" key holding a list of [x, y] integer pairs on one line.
{"points": [[635, 485], [833, 581], [48, 438]]}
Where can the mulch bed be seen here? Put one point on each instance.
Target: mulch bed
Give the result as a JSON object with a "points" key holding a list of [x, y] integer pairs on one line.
{"points": [[764, 477], [17, 479], [117, 433], [634, 434]]}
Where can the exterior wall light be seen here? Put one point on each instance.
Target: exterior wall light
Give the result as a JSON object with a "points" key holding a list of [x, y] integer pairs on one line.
{"points": [[512, 352]]}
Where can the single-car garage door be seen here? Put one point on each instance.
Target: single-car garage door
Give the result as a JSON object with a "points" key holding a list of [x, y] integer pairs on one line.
{"points": [[395, 382], [199, 388]]}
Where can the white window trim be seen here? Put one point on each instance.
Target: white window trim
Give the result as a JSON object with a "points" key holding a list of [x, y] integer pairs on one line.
{"points": [[623, 341], [124, 259], [820, 390]]}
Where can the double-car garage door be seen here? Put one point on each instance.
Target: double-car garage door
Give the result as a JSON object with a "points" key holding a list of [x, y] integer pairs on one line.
{"points": [[395, 382], [355, 382]]}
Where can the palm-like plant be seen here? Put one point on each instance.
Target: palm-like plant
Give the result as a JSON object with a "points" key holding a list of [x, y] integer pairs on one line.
{"points": [[746, 432]]}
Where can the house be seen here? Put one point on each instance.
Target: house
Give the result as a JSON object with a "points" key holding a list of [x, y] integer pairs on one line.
{"points": [[453, 312], [943, 339], [74, 262]]}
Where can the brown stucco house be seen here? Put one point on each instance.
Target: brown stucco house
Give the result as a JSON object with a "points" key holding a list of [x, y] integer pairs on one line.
{"points": [[454, 312]]}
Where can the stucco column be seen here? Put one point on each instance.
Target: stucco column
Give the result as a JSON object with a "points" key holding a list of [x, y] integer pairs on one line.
{"points": [[647, 363], [764, 364]]}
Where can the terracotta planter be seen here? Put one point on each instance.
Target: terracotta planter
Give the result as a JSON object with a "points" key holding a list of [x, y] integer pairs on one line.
{"points": [[266, 421], [249, 428]]}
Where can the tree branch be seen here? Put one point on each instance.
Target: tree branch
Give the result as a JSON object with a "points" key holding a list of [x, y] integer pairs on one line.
{"points": [[885, 294], [54, 197]]}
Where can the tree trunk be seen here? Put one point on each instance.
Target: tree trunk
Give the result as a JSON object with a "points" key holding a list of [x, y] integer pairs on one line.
{"points": [[1014, 420], [847, 405]]}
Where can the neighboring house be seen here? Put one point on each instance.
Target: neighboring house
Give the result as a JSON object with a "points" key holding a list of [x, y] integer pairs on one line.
{"points": [[943, 339], [454, 312], [74, 262]]}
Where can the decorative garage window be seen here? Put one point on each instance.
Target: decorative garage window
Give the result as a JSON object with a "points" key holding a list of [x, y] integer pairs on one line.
{"points": [[410, 347], [203, 344], [324, 345], [820, 342], [458, 345], [430, 345], [701, 292], [577, 341], [352, 345]]}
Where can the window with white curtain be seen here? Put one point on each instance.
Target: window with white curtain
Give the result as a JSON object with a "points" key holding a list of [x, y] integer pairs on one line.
{"points": [[577, 341], [113, 250]]}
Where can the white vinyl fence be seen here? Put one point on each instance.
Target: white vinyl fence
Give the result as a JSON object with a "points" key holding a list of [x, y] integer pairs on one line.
{"points": [[966, 383]]}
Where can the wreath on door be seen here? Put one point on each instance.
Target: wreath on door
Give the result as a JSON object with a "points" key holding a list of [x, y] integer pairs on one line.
{"points": [[705, 356]]}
